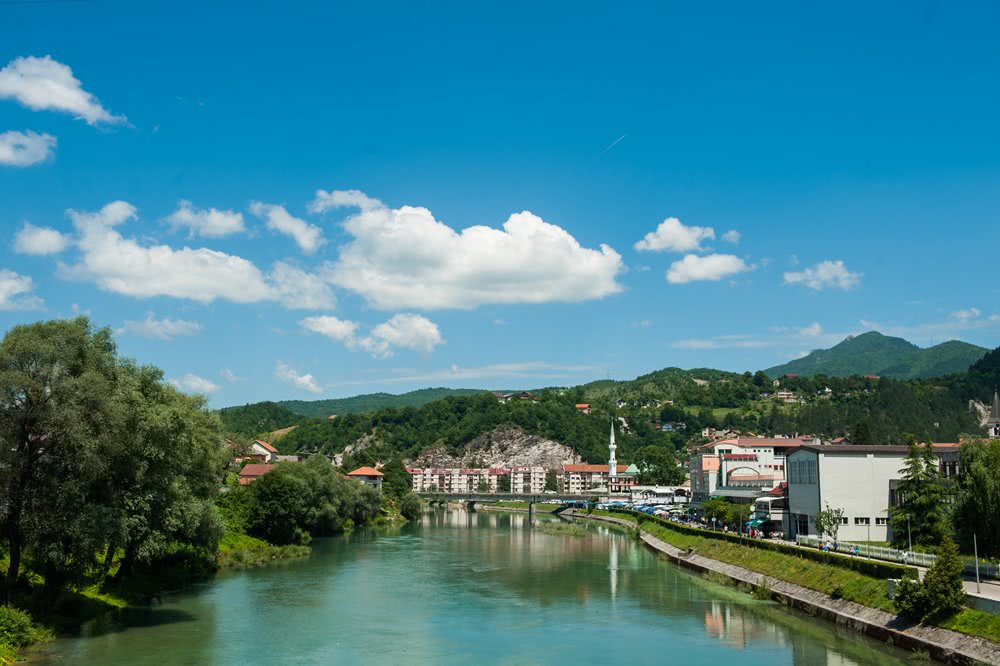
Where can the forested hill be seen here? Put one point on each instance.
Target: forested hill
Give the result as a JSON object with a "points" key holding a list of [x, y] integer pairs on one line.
{"points": [[372, 402], [876, 354]]}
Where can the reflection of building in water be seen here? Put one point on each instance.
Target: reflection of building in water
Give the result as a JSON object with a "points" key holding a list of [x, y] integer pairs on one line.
{"points": [[734, 627], [613, 567]]}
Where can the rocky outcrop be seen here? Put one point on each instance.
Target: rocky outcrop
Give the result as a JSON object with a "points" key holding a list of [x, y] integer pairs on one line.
{"points": [[502, 447]]}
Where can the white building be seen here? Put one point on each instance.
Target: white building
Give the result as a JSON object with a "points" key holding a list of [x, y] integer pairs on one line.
{"points": [[527, 480], [264, 450], [739, 466], [860, 480]]}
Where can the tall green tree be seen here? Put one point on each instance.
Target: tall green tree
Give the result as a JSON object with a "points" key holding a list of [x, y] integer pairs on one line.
{"points": [[658, 466], [397, 481], [56, 383], [920, 500], [978, 504], [828, 521]]}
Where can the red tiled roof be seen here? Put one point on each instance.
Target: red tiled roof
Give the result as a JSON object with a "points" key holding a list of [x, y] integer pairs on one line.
{"points": [[266, 446], [365, 471], [751, 442], [593, 468], [256, 469], [583, 405]]}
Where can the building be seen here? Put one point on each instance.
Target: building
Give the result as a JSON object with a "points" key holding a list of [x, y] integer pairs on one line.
{"points": [[368, 476], [583, 408], [740, 468], [527, 480], [253, 471], [993, 421], [263, 450], [581, 477], [860, 480]]}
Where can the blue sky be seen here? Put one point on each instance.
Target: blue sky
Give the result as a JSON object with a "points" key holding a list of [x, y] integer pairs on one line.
{"points": [[389, 196]]}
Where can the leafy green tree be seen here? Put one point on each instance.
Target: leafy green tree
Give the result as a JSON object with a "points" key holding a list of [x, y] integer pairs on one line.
{"points": [[658, 466], [940, 593], [978, 503], [56, 382], [397, 481], [921, 499], [552, 480], [828, 521], [503, 483], [738, 514], [409, 506], [715, 508]]}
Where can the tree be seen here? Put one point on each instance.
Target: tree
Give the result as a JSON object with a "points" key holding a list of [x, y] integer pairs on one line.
{"points": [[978, 504], [396, 480], [940, 593], [828, 521], [552, 480], [56, 382], [503, 483], [715, 508], [920, 502], [658, 466], [409, 506], [738, 515], [862, 433]]}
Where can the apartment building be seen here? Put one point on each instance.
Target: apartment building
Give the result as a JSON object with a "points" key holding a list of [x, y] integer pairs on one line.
{"points": [[740, 468], [527, 480]]}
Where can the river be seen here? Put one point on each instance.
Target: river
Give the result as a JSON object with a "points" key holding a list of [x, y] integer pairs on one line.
{"points": [[461, 588]]}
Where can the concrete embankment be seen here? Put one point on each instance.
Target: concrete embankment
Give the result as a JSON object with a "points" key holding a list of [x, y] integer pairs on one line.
{"points": [[943, 645]]}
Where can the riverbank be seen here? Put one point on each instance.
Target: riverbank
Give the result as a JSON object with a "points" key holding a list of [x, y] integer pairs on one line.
{"points": [[517, 507], [942, 644]]}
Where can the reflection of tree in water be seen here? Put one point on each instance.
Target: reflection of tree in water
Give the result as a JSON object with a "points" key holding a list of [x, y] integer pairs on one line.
{"points": [[605, 565]]}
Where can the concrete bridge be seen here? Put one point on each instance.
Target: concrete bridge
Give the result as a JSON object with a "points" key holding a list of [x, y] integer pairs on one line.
{"points": [[471, 499]]}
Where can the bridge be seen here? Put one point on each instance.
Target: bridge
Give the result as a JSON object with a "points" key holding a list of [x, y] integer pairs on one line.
{"points": [[471, 499]]}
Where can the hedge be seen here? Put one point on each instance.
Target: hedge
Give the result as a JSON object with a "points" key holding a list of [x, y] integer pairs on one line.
{"points": [[871, 568]]}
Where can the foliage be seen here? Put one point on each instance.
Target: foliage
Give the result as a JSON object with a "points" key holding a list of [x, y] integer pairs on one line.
{"points": [[875, 354], [409, 506], [241, 551], [397, 481], [17, 629], [978, 504], [920, 503], [715, 509], [941, 591], [503, 483], [552, 480], [258, 418], [371, 402], [828, 521], [658, 466]]}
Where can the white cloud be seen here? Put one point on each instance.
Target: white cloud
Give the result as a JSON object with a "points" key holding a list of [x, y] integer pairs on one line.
{"points": [[732, 236], [812, 330], [402, 331], [673, 236], [824, 275], [229, 375], [195, 384], [208, 223], [288, 375], [25, 148], [46, 84], [343, 199], [967, 314], [121, 265], [644, 323], [404, 258], [308, 236], [160, 329], [712, 267], [40, 240], [15, 292]]}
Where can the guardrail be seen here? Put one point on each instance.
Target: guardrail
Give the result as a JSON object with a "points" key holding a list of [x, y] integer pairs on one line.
{"points": [[986, 570]]}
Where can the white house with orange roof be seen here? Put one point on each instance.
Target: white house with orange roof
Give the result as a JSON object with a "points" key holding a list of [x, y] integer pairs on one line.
{"points": [[368, 476], [262, 449]]}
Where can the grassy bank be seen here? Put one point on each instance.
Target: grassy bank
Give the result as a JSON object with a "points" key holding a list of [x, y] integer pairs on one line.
{"points": [[241, 551], [828, 577]]}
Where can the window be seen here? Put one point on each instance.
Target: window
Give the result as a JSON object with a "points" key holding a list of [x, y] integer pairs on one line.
{"points": [[881, 521], [863, 521], [843, 520]]}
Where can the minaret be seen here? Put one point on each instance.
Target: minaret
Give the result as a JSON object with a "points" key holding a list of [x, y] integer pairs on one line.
{"points": [[612, 463], [993, 422]]}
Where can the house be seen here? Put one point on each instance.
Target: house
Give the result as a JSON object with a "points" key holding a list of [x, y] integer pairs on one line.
{"points": [[583, 407], [872, 377], [265, 451], [580, 477], [785, 396], [253, 471], [739, 468], [504, 398], [859, 480], [368, 476], [700, 382]]}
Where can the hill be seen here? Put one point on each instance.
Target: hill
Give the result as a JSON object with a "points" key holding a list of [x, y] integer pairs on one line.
{"points": [[372, 402], [876, 354]]}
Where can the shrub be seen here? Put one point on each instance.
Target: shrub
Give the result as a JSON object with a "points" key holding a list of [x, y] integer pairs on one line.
{"points": [[409, 506], [941, 591], [17, 628]]}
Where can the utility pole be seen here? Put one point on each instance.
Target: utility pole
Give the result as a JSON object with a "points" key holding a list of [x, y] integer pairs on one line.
{"points": [[909, 536]]}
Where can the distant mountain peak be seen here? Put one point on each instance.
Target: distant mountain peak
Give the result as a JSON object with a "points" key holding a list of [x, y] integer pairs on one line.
{"points": [[874, 353]]}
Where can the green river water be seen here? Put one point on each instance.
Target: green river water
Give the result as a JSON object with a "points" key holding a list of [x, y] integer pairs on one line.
{"points": [[467, 588]]}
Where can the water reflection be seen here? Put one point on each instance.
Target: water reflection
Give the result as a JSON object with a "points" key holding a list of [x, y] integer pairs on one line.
{"points": [[460, 587]]}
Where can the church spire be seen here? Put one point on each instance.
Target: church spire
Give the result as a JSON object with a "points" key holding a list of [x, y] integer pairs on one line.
{"points": [[993, 422]]}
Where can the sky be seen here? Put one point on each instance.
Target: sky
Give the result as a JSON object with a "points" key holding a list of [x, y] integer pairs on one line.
{"points": [[293, 200]]}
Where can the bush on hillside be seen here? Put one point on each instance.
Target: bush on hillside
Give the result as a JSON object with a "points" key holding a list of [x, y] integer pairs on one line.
{"points": [[17, 628]]}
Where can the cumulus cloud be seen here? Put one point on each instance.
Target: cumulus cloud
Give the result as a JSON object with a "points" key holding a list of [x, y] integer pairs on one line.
{"points": [[967, 315], [812, 330], [160, 329], [40, 240], [732, 236], [404, 258], [192, 383], [209, 223], [15, 292], [712, 267], [402, 331], [23, 149], [824, 275], [46, 84], [309, 237], [124, 266], [673, 236], [229, 375], [306, 382]]}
